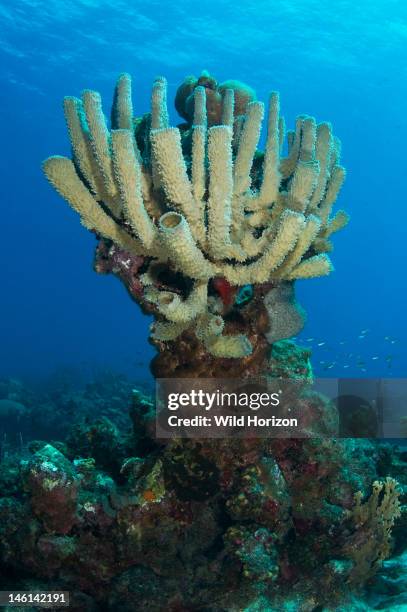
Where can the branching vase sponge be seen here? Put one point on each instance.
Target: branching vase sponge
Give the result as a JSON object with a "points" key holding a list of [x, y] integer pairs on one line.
{"points": [[197, 222]]}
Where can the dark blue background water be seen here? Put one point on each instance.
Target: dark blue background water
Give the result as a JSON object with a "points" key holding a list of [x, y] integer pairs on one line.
{"points": [[342, 61]]}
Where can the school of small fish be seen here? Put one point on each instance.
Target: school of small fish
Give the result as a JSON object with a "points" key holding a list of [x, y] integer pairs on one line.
{"points": [[344, 360]]}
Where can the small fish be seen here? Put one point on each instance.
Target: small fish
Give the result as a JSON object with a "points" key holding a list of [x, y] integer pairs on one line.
{"points": [[365, 331], [346, 366], [375, 358], [361, 337], [320, 343], [342, 342], [309, 339]]}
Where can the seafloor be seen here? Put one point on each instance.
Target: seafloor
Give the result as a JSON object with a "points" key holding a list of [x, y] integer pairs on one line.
{"points": [[93, 504]]}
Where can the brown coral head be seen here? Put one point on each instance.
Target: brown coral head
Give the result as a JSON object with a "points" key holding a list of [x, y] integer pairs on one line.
{"points": [[184, 99], [243, 95], [207, 81], [183, 92]]}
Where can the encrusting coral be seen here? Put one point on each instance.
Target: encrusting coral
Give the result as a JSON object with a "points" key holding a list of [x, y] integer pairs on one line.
{"points": [[196, 207]]}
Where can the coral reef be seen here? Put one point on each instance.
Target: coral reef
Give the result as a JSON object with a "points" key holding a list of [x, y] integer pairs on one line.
{"points": [[208, 234], [201, 226], [65, 399], [127, 523]]}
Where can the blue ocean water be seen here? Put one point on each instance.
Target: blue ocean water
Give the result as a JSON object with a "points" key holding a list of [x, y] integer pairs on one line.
{"points": [[340, 61]]}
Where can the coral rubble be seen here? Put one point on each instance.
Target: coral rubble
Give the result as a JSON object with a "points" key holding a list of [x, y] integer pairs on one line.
{"points": [[193, 218]]}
